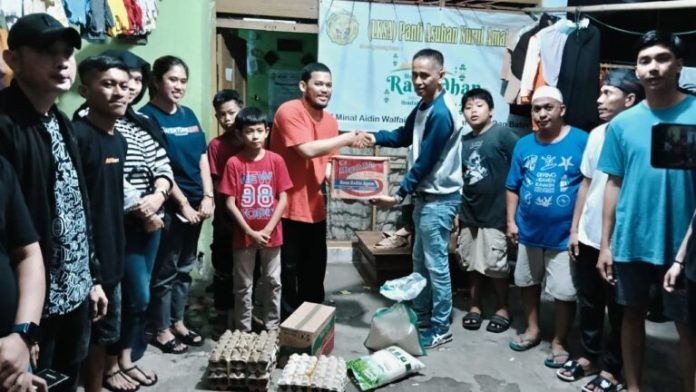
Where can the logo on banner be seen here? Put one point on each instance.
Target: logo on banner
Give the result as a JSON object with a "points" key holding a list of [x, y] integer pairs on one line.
{"points": [[342, 27]]}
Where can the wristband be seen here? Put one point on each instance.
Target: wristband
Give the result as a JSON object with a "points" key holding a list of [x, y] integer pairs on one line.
{"points": [[681, 263]]}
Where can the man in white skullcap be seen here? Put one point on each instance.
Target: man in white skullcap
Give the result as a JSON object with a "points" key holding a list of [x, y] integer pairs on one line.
{"points": [[541, 187]]}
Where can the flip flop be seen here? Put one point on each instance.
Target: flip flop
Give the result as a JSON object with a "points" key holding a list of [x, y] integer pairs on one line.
{"points": [[190, 338], [498, 324], [472, 321], [169, 347], [145, 376], [551, 362], [572, 371], [525, 343], [602, 384], [109, 376]]}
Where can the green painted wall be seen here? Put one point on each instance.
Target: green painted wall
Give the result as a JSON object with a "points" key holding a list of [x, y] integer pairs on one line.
{"points": [[184, 30]]}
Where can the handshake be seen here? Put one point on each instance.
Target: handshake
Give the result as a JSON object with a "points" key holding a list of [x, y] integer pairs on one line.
{"points": [[359, 139]]}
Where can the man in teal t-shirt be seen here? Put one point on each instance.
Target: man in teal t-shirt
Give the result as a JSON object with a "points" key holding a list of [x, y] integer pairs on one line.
{"points": [[646, 210]]}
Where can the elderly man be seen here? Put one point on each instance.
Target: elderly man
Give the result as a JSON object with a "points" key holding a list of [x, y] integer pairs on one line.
{"points": [[541, 187]]}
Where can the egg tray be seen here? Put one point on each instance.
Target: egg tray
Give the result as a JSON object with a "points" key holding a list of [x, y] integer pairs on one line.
{"points": [[244, 352], [304, 373]]}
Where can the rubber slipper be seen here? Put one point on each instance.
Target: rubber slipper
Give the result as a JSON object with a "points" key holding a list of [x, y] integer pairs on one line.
{"points": [[525, 343], [107, 385], [551, 359], [498, 324], [145, 376], [472, 321], [190, 339], [169, 347], [572, 371], [602, 384]]}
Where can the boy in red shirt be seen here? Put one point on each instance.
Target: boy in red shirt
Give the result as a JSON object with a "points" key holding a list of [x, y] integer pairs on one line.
{"points": [[255, 182]]}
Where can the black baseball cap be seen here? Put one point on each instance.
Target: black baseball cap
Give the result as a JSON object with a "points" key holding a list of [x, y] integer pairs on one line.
{"points": [[41, 31]]}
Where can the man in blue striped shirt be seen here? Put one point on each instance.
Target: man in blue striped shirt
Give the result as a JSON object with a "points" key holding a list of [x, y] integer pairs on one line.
{"points": [[434, 131]]}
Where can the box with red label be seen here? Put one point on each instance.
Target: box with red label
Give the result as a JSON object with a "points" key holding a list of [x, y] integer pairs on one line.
{"points": [[309, 329], [359, 177]]}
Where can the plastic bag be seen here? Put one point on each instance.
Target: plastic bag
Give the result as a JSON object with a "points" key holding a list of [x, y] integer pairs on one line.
{"points": [[403, 289], [383, 367], [397, 324]]}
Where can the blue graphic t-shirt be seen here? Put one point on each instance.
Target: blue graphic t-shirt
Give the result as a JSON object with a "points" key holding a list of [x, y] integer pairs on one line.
{"points": [[547, 178], [655, 205], [185, 145]]}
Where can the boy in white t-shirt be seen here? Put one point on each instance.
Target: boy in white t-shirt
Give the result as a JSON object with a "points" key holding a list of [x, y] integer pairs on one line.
{"points": [[621, 90]]}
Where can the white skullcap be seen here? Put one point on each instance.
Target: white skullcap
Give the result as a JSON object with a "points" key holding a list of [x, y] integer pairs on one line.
{"points": [[548, 92]]}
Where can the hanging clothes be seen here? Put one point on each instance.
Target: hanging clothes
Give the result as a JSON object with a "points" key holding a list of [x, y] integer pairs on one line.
{"points": [[56, 9], [510, 86], [135, 17], [552, 44], [578, 78], [99, 21], [519, 54], [149, 9], [120, 15], [76, 10]]}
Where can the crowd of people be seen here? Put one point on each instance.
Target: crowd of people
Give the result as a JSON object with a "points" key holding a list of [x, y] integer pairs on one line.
{"points": [[100, 215]]}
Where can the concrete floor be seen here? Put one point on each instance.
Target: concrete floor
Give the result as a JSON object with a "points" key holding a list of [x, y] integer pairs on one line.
{"points": [[474, 361]]}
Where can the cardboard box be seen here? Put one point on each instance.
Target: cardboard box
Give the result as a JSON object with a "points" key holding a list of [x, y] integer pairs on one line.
{"points": [[359, 177], [310, 330]]}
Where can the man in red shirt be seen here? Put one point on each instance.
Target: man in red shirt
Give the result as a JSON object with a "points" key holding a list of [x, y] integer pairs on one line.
{"points": [[306, 136]]}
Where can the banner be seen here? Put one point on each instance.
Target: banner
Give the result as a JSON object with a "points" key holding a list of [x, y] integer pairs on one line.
{"points": [[369, 48]]}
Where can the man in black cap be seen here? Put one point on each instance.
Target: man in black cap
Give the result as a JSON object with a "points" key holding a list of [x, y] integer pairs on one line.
{"points": [[38, 140], [621, 90]]}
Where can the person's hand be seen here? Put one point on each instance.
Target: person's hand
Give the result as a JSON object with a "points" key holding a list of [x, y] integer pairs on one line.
{"points": [[671, 277], [455, 224], [604, 265], [364, 140], [153, 223], [512, 232], [149, 205], [260, 238], [27, 382], [97, 302], [190, 214], [14, 359], [383, 201], [205, 210], [34, 351], [573, 245]]}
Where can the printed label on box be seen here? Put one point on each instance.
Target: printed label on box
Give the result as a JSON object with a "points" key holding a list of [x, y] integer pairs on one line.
{"points": [[359, 178]]}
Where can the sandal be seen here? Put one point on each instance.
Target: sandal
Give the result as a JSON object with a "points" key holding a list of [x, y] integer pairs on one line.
{"points": [[107, 385], [602, 384], [169, 347], [150, 382], [552, 362], [525, 343], [192, 338], [573, 371], [498, 324], [472, 321]]}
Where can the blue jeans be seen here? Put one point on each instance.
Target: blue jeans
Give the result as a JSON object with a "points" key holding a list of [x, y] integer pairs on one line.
{"points": [[141, 250], [433, 216]]}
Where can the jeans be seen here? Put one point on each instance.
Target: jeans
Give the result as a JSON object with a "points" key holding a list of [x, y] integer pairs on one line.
{"points": [[64, 344], [141, 250], [594, 295], [221, 255], [245, 262], [303, 264], [433, 217], [171, 278]]}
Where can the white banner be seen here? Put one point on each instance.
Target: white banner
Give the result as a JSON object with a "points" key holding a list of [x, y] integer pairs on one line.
{"points": [[369, 47]]}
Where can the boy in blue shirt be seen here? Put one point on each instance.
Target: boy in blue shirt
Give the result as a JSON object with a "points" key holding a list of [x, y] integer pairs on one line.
{"points": [[646, 210], [541, 187]]}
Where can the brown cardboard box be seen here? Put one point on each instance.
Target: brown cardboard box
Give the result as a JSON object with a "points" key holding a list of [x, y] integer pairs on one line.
{"points": [[310, 329], [359, 177]]}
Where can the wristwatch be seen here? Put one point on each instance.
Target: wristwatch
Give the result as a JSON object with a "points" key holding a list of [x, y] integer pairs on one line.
{"points": [[30, 332]]}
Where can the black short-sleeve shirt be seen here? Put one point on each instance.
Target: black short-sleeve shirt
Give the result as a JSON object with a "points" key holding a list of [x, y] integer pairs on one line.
{"points": [[16, 231]]}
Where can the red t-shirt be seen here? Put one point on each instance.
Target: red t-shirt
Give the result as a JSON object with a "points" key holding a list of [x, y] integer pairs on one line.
{"points": [[255, 186], [220, 149], [293, 126]]}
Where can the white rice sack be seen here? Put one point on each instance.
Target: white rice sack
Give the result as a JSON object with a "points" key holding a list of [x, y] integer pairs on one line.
{"points": [[383, 367]]}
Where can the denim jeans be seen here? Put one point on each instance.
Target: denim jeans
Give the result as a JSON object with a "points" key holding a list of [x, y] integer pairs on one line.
{"points": [[141, 250], [433, 217], [171, 278]]}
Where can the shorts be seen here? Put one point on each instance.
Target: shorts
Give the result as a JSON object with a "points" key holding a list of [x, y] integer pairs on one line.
{"points": [[536, 265], [107, 331], [483, 250], [637, 283]]}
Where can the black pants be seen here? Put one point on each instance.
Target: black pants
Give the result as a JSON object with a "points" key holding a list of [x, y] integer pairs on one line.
{"points": [[303, 264], [64, 345], [594, 295], [221, 256]]}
